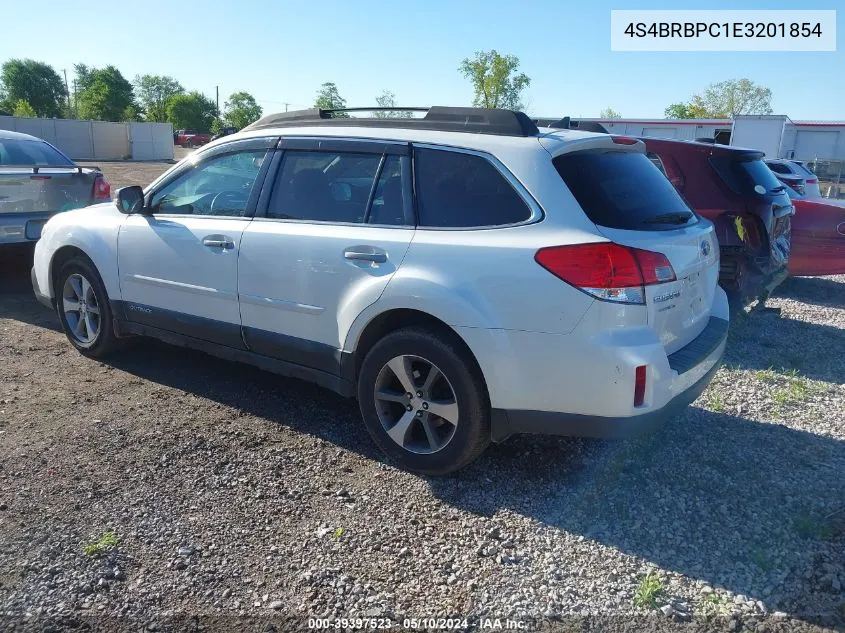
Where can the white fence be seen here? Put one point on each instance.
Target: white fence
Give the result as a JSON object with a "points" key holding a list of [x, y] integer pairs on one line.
{"points": [[99, 140]]}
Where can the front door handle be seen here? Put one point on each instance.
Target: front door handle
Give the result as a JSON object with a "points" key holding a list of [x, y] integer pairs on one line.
{"points": [[218, 241], [365, 254]]}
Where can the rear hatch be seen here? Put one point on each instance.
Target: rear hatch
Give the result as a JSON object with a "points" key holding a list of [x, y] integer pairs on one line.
{"points": [[765, 197], [53, 189], [633, 204]]}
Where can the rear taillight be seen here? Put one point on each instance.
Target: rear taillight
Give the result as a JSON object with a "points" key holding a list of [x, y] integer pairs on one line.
{"points": [[639, 385], [607, 271], [102, 188], [812, 181]]}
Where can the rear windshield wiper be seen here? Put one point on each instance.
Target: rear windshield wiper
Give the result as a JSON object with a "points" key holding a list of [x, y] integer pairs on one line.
{"points": [[669, 218]]}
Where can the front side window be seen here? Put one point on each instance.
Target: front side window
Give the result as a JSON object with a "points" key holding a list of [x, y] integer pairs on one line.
{"points": [[219, 186], [459, 190], [324, 186]]}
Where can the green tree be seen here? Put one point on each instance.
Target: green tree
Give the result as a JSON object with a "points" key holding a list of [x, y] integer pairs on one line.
{"points": [[328, 98], [153, 93], [216, 125], [23, 109], [192, 111], [736, 96], [36, 83], [388, 100], [106, 94], [609, 113], [241, 109], [723, 100], [495, 80]]}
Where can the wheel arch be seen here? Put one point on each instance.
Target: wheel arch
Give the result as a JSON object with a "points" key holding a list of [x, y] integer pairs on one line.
{"points": [[62, 255], [395, 319]]}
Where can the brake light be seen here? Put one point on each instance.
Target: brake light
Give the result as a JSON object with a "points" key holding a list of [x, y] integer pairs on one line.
{"points": [[102, 188], [639, 385], [812, 181], [607, 271], [623, 140]]}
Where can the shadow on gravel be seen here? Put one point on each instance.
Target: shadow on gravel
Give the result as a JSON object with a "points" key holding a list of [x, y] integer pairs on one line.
{"points": [[821, 291], [766, 341], [16, 299], [738, 504]]}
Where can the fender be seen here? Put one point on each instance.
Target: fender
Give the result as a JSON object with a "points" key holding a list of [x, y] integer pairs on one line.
{"points": [[93, 230]]}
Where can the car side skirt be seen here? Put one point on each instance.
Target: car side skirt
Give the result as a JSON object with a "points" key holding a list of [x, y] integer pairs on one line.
{"points": [[277, 353]]}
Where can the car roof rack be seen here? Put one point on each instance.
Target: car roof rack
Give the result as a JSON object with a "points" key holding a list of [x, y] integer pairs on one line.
{"points": [[566, 123], [494, 121]]}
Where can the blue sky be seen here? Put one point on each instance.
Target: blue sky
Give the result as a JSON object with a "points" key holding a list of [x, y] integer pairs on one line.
{"points": [[282, 51]]}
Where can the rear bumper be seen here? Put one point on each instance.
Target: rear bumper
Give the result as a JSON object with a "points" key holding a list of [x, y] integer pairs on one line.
{"points": [[693, 366], [16, 228], [43, 299]]}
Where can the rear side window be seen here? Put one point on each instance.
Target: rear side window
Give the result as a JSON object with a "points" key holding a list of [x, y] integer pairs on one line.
{"points": [[324, 186], [745, 176], [623, 190], [459, 190], [30, 153]]}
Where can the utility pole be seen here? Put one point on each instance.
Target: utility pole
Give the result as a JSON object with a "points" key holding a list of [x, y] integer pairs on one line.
{"points": [[67, 91], [286, 106], [75, 103], [217, 92]]}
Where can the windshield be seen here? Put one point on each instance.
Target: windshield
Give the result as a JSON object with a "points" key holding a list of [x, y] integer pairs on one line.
{"points": [[24, 153], [623, 190]]}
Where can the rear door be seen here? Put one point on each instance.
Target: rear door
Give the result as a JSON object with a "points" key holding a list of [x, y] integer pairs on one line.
{"points": [[333, 227], [178, 264], [633, 204]]}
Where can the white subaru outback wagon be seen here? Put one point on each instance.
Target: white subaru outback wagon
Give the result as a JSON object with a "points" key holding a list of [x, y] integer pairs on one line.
{"points": [[466, 274]]}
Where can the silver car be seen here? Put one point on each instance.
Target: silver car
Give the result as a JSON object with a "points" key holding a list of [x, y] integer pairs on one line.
{"points": [[38, 181]]}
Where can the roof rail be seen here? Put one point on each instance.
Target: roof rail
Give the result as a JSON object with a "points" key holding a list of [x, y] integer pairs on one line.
{"points": [[440, 118], [566, 123]]}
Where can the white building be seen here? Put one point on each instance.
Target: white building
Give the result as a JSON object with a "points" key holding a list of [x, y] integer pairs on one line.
{"points": [[776, 135]]}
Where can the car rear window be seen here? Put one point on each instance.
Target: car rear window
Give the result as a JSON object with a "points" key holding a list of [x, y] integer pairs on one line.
{"points": [[30, 153], [623, 190], [744, 176], [803, 168], [778, 168]]}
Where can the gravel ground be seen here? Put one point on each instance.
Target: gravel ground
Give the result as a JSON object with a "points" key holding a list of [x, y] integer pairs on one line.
{"points": [[239, 496]]}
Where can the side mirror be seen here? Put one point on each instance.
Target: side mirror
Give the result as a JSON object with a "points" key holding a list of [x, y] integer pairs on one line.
{"points": [[130, 199]]}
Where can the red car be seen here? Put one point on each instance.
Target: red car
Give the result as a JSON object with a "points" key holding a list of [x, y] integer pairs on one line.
{"points": [[818, 237], [733, 188], [190, 138]]}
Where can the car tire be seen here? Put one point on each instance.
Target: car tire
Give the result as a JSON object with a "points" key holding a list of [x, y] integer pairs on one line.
{"points": [[89, 327], [444, 423]]}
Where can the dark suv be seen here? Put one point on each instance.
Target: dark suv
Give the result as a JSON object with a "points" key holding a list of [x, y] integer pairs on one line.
{"points": [[734, 189]]}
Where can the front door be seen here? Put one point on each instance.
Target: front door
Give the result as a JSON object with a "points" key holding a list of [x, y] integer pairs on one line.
{"points": [[178, 262], [335, 229]]}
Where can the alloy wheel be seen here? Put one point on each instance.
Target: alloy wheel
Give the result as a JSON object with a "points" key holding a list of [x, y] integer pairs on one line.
{"points": [[416, 404], [81, 309]]}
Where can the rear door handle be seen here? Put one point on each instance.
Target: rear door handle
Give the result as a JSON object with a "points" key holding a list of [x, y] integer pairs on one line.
{"points": [[218, 241], [365, 254]]}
